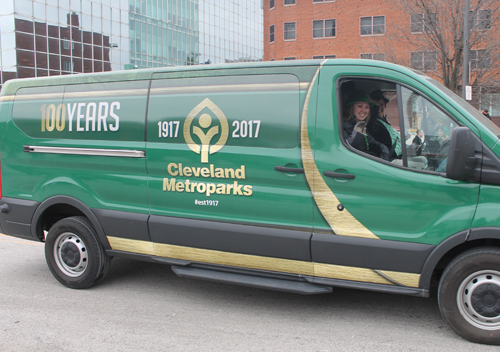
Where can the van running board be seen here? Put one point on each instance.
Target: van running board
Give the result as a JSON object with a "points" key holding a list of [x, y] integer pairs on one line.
{"points": [[304, 288]]}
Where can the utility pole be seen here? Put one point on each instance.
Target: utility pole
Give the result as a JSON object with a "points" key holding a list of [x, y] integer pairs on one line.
{"points": [[465, 70]]}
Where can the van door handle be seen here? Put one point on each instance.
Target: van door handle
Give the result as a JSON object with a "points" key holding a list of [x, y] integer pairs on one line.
{"points": [[339, 175], [296, 170]]}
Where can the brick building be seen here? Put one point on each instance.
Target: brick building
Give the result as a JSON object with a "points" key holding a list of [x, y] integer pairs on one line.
{"points": [[316, 29], [306, 29]]}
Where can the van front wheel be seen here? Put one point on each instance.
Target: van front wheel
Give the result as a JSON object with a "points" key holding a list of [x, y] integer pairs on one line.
{"points": [[74, 255], [469, 295]]}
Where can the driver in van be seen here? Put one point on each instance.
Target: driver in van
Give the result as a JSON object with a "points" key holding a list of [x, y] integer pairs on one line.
{"points": [[356, 120], [381, 129]]}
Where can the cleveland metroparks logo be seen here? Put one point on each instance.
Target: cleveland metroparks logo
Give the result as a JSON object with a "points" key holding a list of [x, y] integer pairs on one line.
{"points": [[200, 122]]}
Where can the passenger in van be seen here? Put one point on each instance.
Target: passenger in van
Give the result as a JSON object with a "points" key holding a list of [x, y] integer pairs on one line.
{"points": [[441, 136], [381, 129], [356, 119]]}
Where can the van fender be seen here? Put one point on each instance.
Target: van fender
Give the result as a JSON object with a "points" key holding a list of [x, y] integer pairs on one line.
{"points": [[483, 233], [57, 200], [437, 254]]}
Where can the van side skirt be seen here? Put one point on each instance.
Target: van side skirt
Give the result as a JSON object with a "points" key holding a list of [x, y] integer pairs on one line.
{"points": [[286, 243], [369, 253]]}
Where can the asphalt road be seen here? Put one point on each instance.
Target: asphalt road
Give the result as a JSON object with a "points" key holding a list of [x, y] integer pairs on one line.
{"points": [[146, 307]]}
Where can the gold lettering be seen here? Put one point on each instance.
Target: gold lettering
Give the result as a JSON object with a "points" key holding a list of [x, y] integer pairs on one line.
{"points": [[187, 186], [169, 186], [193, 186], [247, 190], [228, 189], [221, 189], [180, 170], [201, 188], [179, 187], [240, 173], [187, 172], [170, 167], [219, 172], [237, 189], [229, 173], [210, 189], [205, 172]]}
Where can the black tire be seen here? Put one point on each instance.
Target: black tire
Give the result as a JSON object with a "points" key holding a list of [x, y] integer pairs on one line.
{"points": [[73, 253], [469, 295]]}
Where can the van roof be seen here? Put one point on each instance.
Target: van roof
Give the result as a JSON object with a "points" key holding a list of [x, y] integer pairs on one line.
{"points": [[11, 86]]}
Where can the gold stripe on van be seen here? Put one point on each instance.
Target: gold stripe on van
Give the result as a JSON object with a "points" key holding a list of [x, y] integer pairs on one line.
{"points": [[6, 98], [258, 87], [82, 95], [156, 91], [341, 272], [265, 263], [341, 222]]}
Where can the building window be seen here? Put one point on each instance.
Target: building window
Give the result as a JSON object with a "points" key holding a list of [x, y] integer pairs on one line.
{"points": [[66, 44], [422, 22], [481, 20], [271, 34], [372, 25], [376, 56], [290, 58], [289, 2], [271, 4], [324, 57], [323, 1], [67, 66], [424, 60], [324, 29], [289, 31], [479, 59]]}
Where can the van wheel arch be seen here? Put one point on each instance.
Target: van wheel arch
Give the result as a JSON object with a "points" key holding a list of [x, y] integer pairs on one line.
{"points": [[451, 248], [56, 208]]}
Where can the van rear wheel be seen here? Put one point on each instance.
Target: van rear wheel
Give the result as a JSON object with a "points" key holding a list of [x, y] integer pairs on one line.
{"points": [[469, 295], [73, 253]]}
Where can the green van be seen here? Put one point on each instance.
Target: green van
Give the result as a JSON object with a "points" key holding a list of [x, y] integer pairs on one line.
{"points": [[242, 174]]}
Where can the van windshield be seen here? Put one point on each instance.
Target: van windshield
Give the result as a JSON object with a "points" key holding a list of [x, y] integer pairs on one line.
{"points": [[470, 109]]}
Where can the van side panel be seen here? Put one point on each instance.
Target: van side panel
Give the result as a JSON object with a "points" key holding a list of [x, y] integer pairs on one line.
{"points": [[84, 141], [251, 120]]}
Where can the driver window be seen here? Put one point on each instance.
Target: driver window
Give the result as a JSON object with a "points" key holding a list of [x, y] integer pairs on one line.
{"points": [[427, 133]]}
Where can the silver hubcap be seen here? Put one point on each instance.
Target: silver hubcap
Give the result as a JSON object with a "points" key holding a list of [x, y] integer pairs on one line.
{"points": [[478, 299], [70, 254]]}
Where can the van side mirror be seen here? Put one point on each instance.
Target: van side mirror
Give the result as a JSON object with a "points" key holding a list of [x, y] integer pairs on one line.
{"points": [[463, 162]]}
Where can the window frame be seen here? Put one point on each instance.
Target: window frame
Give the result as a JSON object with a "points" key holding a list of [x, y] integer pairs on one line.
{"points": [[372, 56], [290, 4], [323, 29], [401, 118], [475, 20], [271, 34], [478, 61], [285, 32], [424, 22], [424, 61], [324, 57], [371, 26], [271, 4]]}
